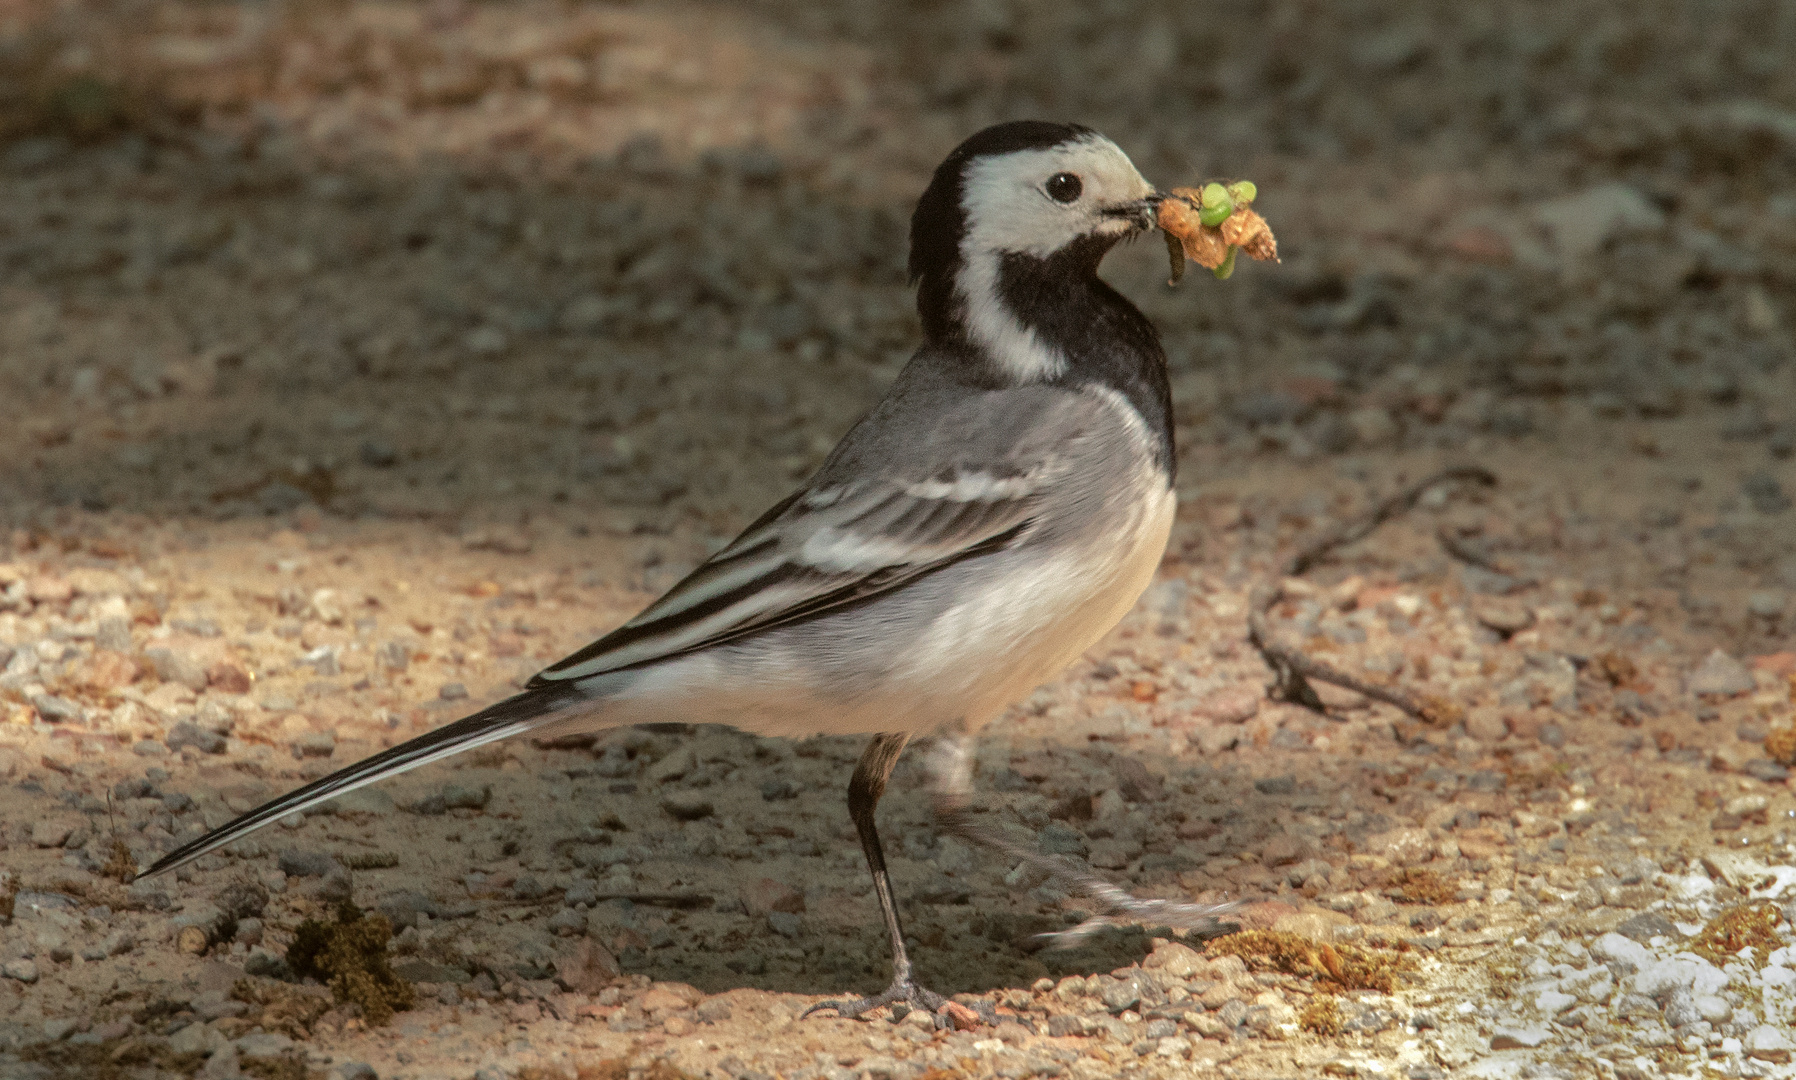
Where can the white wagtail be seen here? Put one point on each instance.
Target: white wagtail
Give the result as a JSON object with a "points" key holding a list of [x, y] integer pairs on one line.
{"points": [[987, 522]]}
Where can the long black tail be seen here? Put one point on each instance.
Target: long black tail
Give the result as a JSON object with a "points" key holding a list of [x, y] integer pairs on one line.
{"points": [[514, 716]]}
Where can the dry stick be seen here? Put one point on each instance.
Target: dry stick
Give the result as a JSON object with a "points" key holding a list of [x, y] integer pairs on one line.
{"points": [[678, 901], [1292, 667], [1466, 553], [1476, 556]]}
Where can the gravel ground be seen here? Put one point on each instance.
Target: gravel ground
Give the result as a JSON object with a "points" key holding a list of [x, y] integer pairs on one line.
{"points": [[351, 356]]}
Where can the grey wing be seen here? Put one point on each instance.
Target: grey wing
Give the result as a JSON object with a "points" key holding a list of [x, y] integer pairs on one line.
{"points": [[870, 525], [825, 548], [821, 549]]}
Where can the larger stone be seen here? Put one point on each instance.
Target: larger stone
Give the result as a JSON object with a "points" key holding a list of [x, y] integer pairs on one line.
{"points": [[675, 765], [1583, 223], [1720, 675], [1119, 995], [1658, 979], [1506, 617], [1648, 925], [588, 969], [178, 667], [767, 895], [1766, 603], [297, 863], [1214, 740], [196, 1039], [403, 908], [264, 1044], [1740, 871], [1713, 1007], [106, 670], [368, 800], [1616, 949], [1520, 1038], [242, 899], [1113, 854], [687, 805], [50, 834], [320, 744], [466, 796], [228, 677], [1486, 723], [55, 710], [420, 970], [1768, 1043], [1285, 849], [1404, 847], [1176, 960], [187, 733], [1062, 1025], [222, 1065]]}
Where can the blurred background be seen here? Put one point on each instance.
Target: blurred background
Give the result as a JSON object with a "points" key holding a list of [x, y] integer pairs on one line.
{"points": [[452, 258], [317, 317]]}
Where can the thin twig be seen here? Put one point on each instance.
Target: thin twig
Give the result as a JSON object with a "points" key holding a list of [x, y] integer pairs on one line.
{"points": [[1292, 668], [678, 901], [1329, 540], [1466, 553]]}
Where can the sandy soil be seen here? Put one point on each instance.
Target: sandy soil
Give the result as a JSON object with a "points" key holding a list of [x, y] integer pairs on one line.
{"points": [[358, 359]]}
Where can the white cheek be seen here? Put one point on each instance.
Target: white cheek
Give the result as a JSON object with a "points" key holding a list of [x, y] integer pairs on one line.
{"points": [[1008, 210]]}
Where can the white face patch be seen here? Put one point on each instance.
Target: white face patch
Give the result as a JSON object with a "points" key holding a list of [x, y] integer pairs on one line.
{"points": [[1009, 212], [1009, 209]]}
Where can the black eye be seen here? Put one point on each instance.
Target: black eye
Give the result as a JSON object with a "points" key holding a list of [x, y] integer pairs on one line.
{"points": [[1064, 187]]}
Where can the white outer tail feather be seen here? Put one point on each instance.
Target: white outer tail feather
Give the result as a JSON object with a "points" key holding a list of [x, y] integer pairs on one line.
{"points": [[517, 715]]}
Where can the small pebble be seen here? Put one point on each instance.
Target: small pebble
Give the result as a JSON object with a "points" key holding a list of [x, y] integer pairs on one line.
{"points": [[1720, 675], [466, 796], [60, 1028], [187, 733], [379, 454], [297, 863], [50, 834], [319, 744], [1766, 603], [687, 806]]}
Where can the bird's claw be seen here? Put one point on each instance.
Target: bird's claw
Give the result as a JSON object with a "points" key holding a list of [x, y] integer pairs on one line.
{"points": [[901, 992]]}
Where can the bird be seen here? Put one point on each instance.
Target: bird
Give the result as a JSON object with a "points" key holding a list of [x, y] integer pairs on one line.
{"points": [[996, 513]]}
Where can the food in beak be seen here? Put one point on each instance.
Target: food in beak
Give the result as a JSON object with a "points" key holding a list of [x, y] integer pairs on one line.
{"points": [[1208, 225]]}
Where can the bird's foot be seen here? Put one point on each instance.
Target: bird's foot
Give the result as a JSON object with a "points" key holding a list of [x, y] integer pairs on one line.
{"points": [[1201, 921], [902, 992]]}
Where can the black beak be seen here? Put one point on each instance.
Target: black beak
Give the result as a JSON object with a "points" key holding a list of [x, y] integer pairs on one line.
{"points": [[1142, 213]]}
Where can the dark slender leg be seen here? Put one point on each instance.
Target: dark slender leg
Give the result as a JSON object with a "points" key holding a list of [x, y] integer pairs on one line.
{"points": [[952, 766], [864, 791]]}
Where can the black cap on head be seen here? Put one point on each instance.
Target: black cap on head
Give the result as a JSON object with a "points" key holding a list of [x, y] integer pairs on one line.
{"points": [[938, 225]]}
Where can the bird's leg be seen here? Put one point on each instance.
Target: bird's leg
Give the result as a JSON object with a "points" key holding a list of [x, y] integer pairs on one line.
{"points": [[952, 769], [864, 791]]}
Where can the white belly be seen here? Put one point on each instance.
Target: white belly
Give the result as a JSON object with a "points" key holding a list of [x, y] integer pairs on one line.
{"points": [[1017, 638]]}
